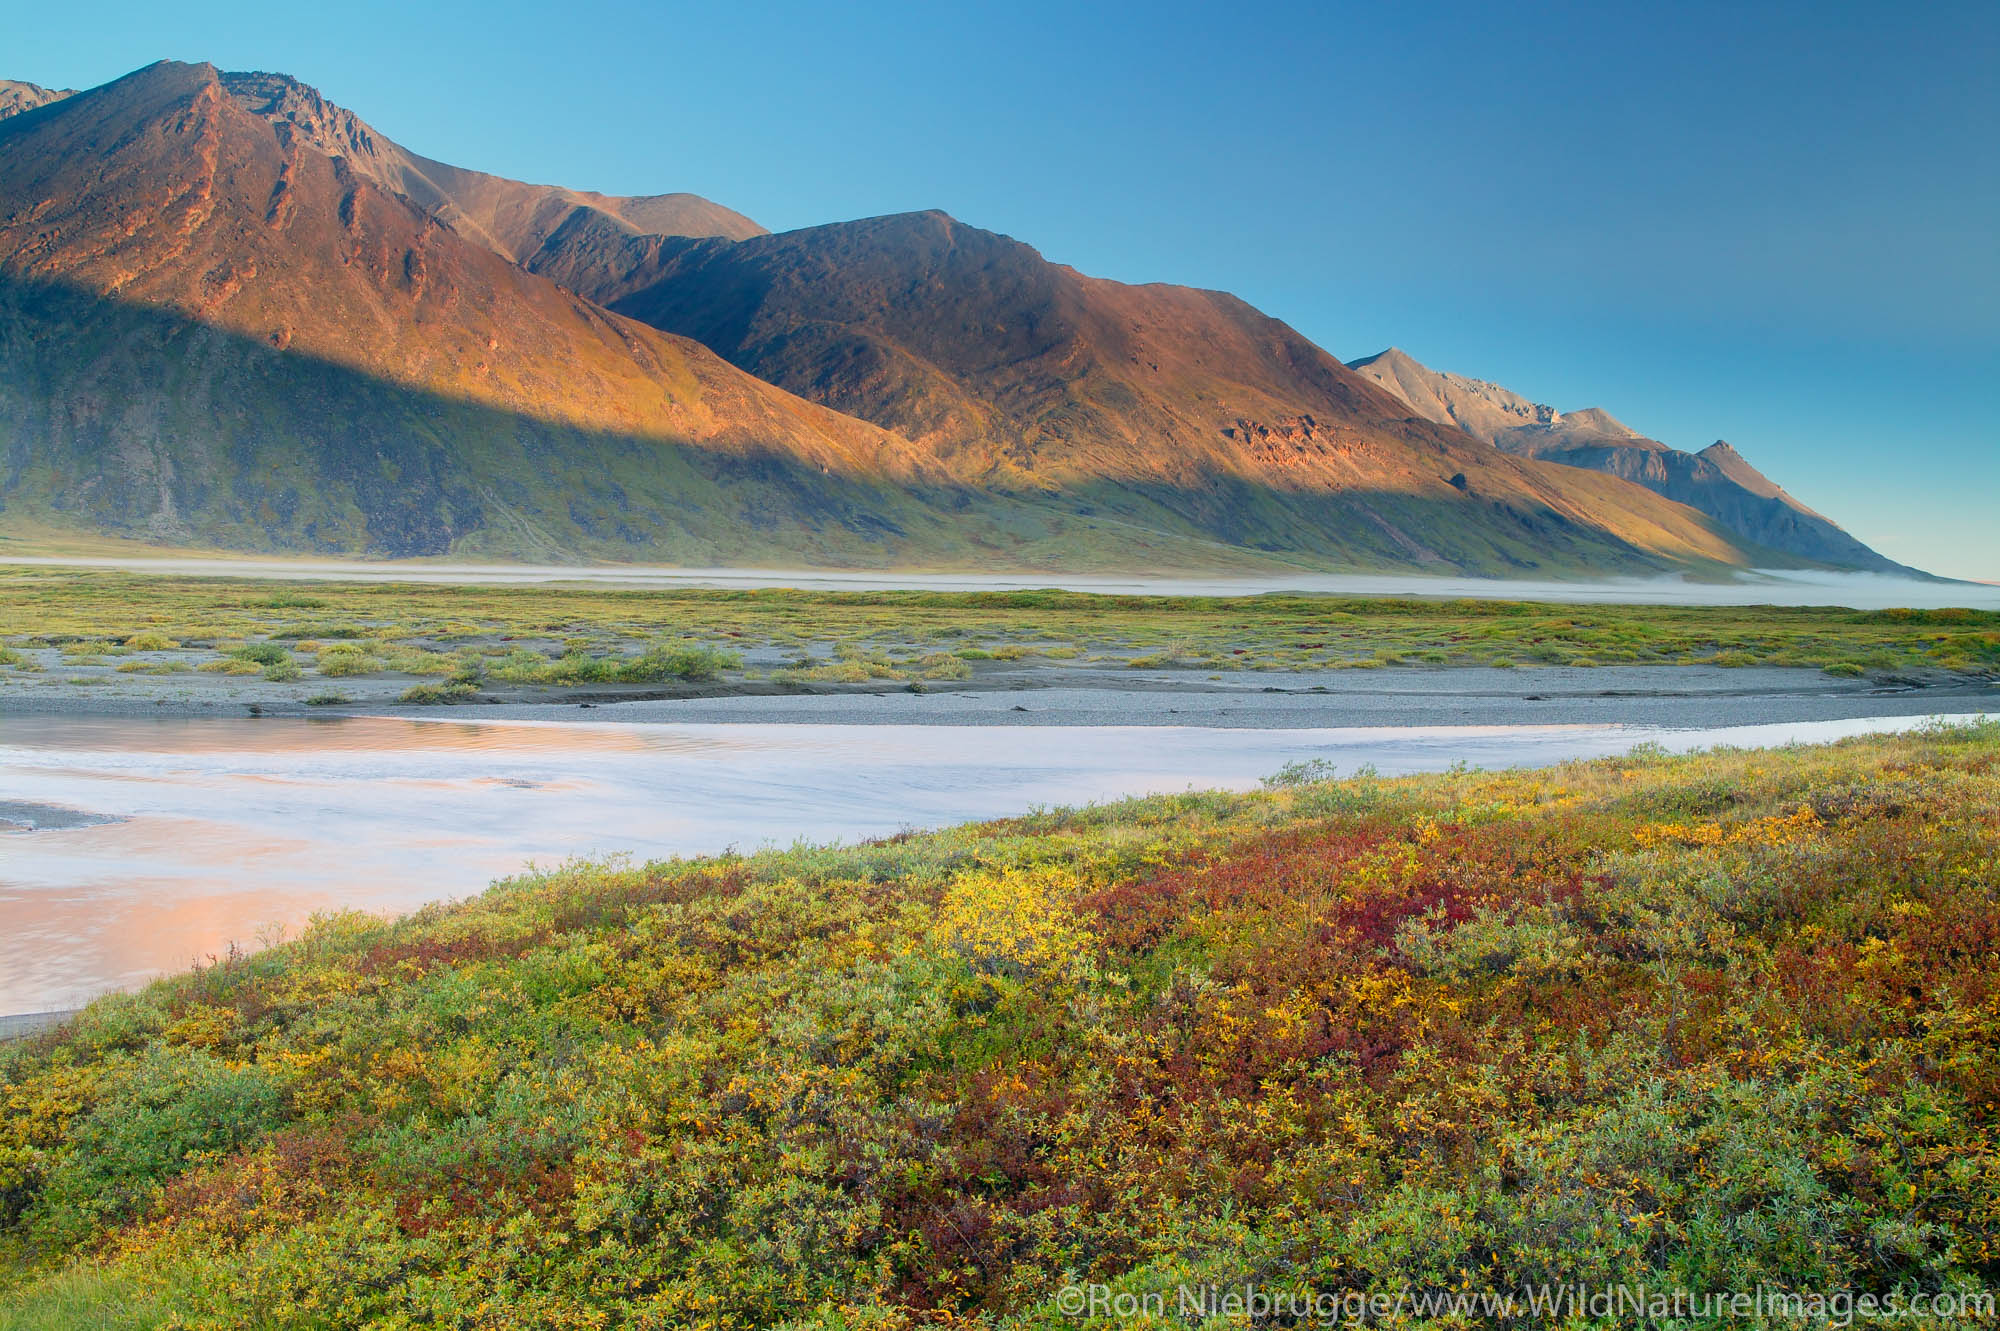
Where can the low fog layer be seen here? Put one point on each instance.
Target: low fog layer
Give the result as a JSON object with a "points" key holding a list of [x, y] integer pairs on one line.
{"points": [[1863, 591]]}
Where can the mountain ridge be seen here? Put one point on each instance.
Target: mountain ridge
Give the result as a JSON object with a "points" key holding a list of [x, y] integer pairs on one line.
{"points": [[1020, 373], [510, 217], [1718, 480]]}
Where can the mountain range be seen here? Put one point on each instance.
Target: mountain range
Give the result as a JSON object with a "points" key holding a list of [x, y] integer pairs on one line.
{"points": [[1717, 480], [233, 315]]}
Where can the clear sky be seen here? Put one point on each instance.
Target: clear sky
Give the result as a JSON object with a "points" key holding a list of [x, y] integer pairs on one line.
{"points": [[1777, 224]]}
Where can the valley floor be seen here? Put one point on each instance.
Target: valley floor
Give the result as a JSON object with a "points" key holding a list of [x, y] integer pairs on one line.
{"points": [[112, 642]]}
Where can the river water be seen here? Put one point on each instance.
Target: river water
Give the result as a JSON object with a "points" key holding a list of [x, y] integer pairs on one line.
{"points": [[130, 847]]}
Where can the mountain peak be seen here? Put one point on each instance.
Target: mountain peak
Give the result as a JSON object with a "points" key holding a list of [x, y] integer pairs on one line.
{"points": [[1395, 356], [1722, 455], [1481, 409], [509, 217], [1596, 420]]}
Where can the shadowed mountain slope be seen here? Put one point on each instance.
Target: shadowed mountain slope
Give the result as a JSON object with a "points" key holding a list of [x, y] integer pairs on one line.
{"points": [[1717, 480]]}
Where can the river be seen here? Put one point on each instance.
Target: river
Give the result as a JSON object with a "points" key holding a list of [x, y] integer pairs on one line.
{"points": [[130, 847]]}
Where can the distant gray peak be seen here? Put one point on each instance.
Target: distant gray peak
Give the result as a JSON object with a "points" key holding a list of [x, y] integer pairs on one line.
{"points": [[1600, 421], [1479, 407], [17, 96]]}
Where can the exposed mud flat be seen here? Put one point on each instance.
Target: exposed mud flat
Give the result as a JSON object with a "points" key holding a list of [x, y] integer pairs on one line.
{"points": [[1668, 696], [28, 816]]}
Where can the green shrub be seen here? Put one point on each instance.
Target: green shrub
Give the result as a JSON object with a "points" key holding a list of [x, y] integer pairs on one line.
{"points": [[944, 665], [150, 642], [328, 700], [230, 665], [433, 695], [345, 661], [577, 667], [262, 653], [418, 661], [1304, 772], [1845, 670], [159, 1113], [519, 666], [694, 662], [840, 672]]}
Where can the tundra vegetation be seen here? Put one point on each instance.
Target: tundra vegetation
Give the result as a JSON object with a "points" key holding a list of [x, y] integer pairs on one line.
{"points": [[1710, 1022], [450, 643]]}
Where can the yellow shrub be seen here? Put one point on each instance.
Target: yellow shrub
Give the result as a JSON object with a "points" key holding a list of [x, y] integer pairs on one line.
{"points": [[1015, 921]]}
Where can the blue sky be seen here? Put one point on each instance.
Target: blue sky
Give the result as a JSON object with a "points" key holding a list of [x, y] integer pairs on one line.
{"points": [[1775, 224]]}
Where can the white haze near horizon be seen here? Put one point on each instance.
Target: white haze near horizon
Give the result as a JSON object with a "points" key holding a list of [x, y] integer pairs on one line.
{"points": [[1860, 591]]}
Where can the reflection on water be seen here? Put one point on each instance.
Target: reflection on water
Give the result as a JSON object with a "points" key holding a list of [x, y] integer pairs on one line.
{"points": [[143, 845]]}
